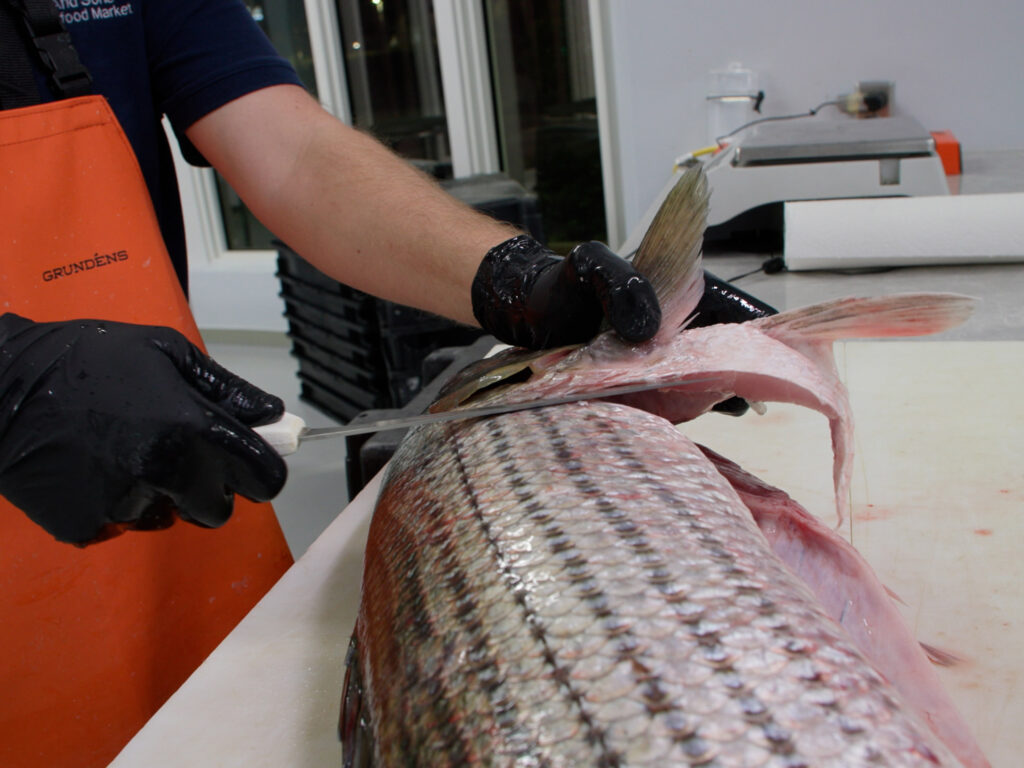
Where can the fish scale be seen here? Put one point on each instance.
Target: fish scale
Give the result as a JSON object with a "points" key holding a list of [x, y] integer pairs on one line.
{"points": [[579, 586]]}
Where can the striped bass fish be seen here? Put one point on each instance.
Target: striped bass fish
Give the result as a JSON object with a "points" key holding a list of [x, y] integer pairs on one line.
{"points": [[582, 585]]}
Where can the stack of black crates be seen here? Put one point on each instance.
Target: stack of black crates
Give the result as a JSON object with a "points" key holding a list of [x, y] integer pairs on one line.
{"points": [[358, 353]]}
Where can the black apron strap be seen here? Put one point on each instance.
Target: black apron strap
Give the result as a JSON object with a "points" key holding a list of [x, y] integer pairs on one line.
{"points": [[17, 83], [51, 46]]}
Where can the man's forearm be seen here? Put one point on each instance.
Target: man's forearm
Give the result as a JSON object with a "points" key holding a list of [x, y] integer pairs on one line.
{"points": [[346, 203]]}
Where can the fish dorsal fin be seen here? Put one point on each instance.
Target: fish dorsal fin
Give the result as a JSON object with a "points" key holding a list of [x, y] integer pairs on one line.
{"points": [[669, 254]]}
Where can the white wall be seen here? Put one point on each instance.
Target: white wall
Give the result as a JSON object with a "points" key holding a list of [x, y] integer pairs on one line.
{"points": [[956, 66]]}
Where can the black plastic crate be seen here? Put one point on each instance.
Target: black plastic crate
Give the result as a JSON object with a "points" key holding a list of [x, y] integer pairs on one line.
{"points": [[358, 386], [348, 334], [355, 308], [290, 265], [362, 375], [329, 401], [357, 391], [399, 319], [501, 197], [335, 353], [356, 352], [404, 354]]}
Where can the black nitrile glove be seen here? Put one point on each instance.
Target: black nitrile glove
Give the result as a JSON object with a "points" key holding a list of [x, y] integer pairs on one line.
{"points": [[525, 295], [725, 303], [107, 425]]}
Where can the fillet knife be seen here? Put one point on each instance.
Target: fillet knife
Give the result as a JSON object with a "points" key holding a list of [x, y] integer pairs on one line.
{"points": [[286, 434]]}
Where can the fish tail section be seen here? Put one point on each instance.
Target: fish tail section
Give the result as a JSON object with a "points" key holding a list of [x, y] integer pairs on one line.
{"points": [[908, 314], [669, 255]]}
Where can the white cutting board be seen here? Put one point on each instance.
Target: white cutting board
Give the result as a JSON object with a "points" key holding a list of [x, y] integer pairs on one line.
{"points": [[937, 509], [937, 502]]}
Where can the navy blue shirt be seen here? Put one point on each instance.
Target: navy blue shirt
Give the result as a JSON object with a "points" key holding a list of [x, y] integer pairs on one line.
{"points": [[180, 58]]}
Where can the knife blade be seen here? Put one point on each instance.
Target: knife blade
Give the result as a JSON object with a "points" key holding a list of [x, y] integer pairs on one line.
{"points": [[287, 433]]}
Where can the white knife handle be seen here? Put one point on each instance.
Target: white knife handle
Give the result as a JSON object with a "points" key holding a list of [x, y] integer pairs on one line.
{"points": [[283, 434]]}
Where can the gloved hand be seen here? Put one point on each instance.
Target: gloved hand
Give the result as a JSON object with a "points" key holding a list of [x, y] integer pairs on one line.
{"points": [[525, 295], [107, 425], [725, 303]]}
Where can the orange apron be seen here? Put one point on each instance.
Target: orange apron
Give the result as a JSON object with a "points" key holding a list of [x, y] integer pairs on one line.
{"points": [[94, 640]]}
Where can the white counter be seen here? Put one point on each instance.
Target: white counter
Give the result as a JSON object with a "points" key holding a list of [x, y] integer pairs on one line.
{"points": [[938, 500]]}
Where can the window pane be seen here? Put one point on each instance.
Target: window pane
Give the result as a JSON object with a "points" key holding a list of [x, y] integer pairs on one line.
{"points": [[394, 77], [542, 70], [284, 22]]}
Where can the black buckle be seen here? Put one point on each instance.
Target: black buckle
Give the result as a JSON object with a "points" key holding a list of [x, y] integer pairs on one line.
{"points": [[67, 73]]}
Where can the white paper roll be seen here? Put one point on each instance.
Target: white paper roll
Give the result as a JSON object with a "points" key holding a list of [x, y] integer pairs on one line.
{"points": [[904, 231]]}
